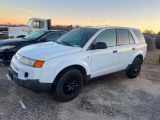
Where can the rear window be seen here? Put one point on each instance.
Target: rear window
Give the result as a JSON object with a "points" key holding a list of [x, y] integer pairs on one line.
{"points": [[139, 36]]}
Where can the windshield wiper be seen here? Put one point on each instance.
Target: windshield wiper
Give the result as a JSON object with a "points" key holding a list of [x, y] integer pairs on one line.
{"points": [[63, 42]]}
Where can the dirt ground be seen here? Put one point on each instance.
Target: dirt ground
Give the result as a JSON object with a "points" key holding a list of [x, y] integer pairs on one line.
{"points": [[114, 97]]}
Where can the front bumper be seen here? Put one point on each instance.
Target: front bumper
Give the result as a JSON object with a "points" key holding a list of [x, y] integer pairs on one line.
{"points": [[34, 85]]}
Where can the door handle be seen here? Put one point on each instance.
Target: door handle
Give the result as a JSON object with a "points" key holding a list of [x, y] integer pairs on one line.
{"points": [[133, 48], [115, 51]]}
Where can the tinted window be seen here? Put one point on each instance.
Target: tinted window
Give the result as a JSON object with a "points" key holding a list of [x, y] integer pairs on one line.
{"points": [[139, 36], [131, 39], [108, 37], [35, 35], [123, 37], [77, 37], [53, 36]]}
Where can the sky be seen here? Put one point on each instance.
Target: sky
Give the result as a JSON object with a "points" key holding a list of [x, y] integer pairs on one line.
{"points": [[141, 14]]}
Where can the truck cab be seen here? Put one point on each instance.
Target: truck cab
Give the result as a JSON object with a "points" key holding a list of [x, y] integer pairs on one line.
{"points": [[33, 25]]}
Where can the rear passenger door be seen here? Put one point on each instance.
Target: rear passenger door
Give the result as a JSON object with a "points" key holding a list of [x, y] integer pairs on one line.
{"points": [[127, 48]]}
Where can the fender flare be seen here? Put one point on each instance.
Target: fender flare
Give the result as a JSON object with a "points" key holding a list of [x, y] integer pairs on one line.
{"points": [[50, 78]]}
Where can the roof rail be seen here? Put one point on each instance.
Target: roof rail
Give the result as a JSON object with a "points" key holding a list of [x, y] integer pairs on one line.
{"points": [[99, 26]]}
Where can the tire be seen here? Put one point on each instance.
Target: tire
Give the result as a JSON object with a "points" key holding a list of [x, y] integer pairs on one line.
{"points": [[68, 85], [135, 68]]}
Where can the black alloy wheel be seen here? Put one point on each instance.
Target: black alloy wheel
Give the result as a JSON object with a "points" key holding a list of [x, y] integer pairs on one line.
{"points": [[135, 68], [71, 85], [68, 85]]}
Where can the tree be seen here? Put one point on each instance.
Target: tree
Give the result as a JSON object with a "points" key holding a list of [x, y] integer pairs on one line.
{"points": [[149, 32]]}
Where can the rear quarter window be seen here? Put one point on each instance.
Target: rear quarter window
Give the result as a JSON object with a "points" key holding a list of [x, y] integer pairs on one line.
{"points": [[139, 36]]}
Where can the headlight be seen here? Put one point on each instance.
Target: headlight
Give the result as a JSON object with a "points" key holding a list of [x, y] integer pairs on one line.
{"points": [[7, 47], [29, 62], [26, 61]]}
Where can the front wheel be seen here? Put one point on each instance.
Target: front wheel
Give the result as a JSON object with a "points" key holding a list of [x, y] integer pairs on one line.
{"points": [[68, 85], [134, 69]]}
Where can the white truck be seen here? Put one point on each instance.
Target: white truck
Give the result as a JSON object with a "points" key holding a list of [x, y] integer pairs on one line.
{"points": [[78, 56], [34, 24]]}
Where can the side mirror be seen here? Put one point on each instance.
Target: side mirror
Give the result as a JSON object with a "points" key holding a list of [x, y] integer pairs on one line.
{"points": [[43, 40], [99, 45]]}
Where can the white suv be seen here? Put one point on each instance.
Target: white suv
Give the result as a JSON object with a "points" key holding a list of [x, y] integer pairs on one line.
{"points": [[79, 55]]}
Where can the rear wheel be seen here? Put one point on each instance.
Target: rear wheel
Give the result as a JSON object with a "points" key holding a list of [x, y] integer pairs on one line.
{"points": [[68, 85], [134, 69]]}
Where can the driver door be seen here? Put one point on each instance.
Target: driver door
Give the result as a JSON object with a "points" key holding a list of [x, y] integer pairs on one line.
{"points": [[105, 61]]}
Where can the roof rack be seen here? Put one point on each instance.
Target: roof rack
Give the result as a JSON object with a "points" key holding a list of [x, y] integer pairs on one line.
{"points": [[99, 26]]}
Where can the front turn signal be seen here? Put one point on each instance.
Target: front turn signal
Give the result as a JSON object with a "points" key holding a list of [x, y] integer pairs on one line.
{"points": [[38, 64]]}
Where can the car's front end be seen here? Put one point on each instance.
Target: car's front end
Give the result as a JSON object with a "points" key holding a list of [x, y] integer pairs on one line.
{"points": [[26, 72], [6, 52], [29, 65], [9, 47], [38, 66]]}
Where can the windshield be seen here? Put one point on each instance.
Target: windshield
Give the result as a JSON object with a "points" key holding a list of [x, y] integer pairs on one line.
{"points": [[77, 37], [35, 35], [29, 23]]}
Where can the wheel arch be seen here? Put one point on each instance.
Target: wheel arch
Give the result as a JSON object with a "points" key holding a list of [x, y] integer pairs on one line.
{"points": [[76, 66], [140, 56]]}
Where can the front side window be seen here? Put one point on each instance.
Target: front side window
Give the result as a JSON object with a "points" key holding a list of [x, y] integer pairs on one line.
{"points": [[29, 23], [123, 37], [53, 36], [35, 35], [77, 37], [108, 37]]}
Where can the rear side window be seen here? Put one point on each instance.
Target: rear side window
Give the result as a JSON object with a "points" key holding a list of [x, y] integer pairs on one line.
{"points": [[139, 36], [123, 37], [131, 39]]}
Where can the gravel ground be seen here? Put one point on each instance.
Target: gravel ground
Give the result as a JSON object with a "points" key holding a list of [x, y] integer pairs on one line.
{"points": [[114, 97]]}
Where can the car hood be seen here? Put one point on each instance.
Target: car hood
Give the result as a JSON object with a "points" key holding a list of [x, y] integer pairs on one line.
{"points": [[47, 50], [12, 41]]}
